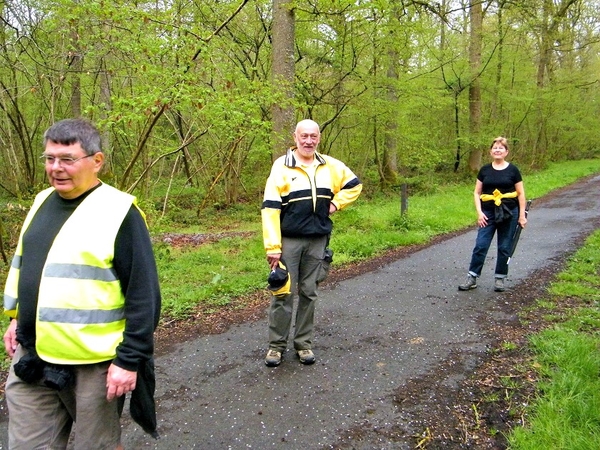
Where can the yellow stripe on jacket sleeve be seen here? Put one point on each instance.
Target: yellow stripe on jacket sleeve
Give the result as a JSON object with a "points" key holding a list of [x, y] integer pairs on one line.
{"points": [[271, 226]]}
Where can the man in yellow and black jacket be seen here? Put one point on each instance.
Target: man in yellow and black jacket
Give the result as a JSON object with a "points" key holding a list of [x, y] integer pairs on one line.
{"points": [[303, 189], [84, 300]]}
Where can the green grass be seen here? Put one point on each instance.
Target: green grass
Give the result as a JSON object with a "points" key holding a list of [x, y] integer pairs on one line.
{"points": [[566, 412], [556, 176], [211, 273]]}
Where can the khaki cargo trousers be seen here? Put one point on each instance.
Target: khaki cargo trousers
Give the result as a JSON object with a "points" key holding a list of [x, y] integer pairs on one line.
{"points": [[303, 257]]}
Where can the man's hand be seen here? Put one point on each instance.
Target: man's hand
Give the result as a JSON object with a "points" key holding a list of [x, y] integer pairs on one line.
{"points": [[119, 382], [273, 260], [10, 338]]}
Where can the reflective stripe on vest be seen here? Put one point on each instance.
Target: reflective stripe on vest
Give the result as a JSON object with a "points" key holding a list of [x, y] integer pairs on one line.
{"points": [[80, 316], [16, 262], [80, 271], [10, 290]]}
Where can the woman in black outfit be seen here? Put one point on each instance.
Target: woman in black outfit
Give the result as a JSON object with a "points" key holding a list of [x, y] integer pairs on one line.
{"points": [[500, 203]]}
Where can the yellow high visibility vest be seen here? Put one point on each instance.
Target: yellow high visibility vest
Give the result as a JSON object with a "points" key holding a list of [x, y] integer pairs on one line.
{"points": [[80, 311]]}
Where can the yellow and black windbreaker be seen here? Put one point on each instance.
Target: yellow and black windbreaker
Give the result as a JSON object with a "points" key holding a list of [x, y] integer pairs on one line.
{"points": [[80, 311], [296, 204]]}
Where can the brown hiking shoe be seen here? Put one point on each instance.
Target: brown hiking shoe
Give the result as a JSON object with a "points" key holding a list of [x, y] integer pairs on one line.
{"points": [[499, 284], [306, 356], [273, 358], [471, 283]]}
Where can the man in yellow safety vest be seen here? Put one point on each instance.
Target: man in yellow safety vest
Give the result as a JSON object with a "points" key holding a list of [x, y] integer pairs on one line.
{"points": [[84, 301]]}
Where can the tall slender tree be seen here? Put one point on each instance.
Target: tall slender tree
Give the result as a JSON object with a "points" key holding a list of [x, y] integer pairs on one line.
{"points": [[476, 20], [283, 41]]}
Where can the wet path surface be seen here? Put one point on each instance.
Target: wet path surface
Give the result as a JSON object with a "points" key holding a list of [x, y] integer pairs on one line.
{"points": [[374, 334]]}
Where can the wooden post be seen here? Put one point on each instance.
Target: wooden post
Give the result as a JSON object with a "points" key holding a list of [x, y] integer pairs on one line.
{"points": [[403, 199]]}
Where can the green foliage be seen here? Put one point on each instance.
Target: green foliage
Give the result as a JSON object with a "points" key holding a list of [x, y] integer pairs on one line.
{"points": [[183, 91]]}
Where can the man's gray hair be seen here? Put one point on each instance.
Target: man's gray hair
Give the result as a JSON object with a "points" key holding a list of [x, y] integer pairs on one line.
{"points": [[72, 131]]}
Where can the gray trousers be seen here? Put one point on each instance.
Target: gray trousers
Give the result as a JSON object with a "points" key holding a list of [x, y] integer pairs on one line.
{"points": [[302, 257], [40, 417]]}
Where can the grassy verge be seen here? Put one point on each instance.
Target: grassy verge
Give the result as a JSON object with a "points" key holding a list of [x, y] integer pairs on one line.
{"points": [[566, 356]]}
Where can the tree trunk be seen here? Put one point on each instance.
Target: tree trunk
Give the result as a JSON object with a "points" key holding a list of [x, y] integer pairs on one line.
{"points": [[75, 66], [105, 98], [545, 49], [476, 13], [283, 74], [494, 106], [390, 148]]}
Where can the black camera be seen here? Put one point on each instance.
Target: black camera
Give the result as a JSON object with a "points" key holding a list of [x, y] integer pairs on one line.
{"points": [[30, 368], [58, 377], [328, 257]]}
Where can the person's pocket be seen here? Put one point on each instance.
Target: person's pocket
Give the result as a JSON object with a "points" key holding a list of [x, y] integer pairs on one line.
{"points": [[325, 265]]}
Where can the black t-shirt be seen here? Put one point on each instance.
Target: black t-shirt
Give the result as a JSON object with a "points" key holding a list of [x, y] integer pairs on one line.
{"points": [[133, 262], [504, 180]]}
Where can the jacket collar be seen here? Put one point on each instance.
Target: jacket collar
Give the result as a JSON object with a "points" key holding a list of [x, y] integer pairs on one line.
{"points": [[290, 160]]}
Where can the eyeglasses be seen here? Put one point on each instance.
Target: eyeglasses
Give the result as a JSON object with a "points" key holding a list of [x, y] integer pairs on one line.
{"points": [[62, 161]]}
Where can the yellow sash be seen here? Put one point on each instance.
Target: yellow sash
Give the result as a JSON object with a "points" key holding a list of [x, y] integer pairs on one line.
{"points": [[497, 196]]}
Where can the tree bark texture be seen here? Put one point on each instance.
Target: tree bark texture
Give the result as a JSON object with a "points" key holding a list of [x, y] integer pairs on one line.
{"points": [[476, 14], [283, 74]]}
